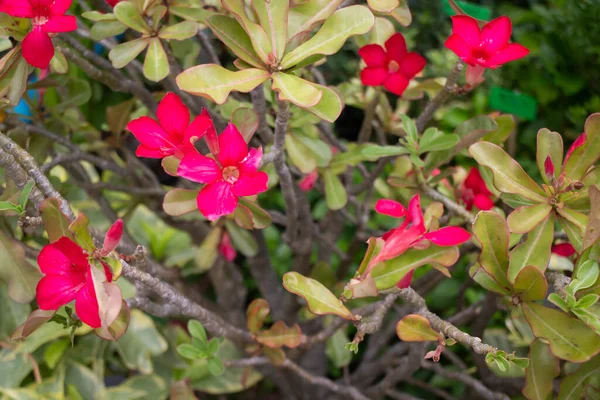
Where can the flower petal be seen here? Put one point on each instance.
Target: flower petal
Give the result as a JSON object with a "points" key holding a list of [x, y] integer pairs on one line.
{"points": [[475, 182], [406, 280], [250, 184], [467, 28], [37, 48], [373, 76], [86, 305], [412, 64], [474, 74], [59, 7], [483, 202], [54, 291], [252, 161], [398, 242], [374, 55], [232, 146], [173, 115], [390, 207], [60, 23], [69, 250], [396, 83], [199, 168], [458, 45], [17, 8], [308, 181], [226, 248], [396, 47], [564, 249], [415, 214], [198, 128], [496, 34], [216, 199], [149, 133], [143, 151], [511, 52], [448, 236]]}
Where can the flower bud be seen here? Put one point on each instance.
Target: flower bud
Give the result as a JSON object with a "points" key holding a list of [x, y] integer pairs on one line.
{"points": [[549, 167], [226, 248], [113, 237], [580, 141]]}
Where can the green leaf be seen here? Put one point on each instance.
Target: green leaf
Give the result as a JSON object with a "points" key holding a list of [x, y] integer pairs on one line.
{"points": [[409, 126], [126, 52], [188, 351], [215, 82], [273, 17], [435, 140], [530, 284], [16, 271], [587, 301], [569, 338], [8, 206], [300, 155], [509, 176], [246, 120], [127, 13], [304, 16], [348, 21], [78, 92], [526, 218], [383, 6], [485, 280], [260, 218], [87, 384], [534, 251], [156, 64], [180, 31], [491, 231], [258, 36], [12, 314], [543, 368], [118, 327], [587, 274], [295, 90], [256, 313], [573, 232], [416, 328], [35, 320], [25, 194], [583, 157], [242, 239], [230, 32], [335, 349], [388, 274], [79, 228], [105, 29], [54, 352], [197, 330], [215, 366], [335, 192], [506, 126], [179, 202], [320, 150], [329, 107], [98, 16], [549, 144], [573, 385], [207, 253], [280, 335], [320, 300]]}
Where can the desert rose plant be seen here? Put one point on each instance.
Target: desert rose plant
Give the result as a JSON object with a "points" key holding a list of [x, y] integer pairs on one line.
{"points": [[190, 208]]}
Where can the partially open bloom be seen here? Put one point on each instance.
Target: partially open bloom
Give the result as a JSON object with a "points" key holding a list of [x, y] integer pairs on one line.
{"points": [[483, 48], [47, 16], [392, 67], [68, 277], [308, 181], [226, 247], [580, 141], [475, 192], [412, 231], [233, 174], [113, 237], [171, 134]]}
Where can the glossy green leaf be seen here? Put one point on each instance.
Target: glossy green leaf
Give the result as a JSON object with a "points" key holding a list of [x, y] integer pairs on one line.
{"points": [[59, 63], [416, 328], [506, 126], [300, 155], [383, 6], [509, 176], [80, 230], [180, 31], [329, 107], [573, 233], [583, 157], [258, 35], [549, 144], [535, 250], [247, 122], [485, 280], [346, 22], [98, 16], [242, 239], [387, 274], [295, 90], [156, 64], [543, 368], [335, 192], [305, 15], [280, 335], [127, 13], [125, 53], [256, 314], [230, 32], [491, 231], [215, 82], [12, 314], [105, 29], [260, 218], [197, 330], [320, 300], [16, 271], [530, 284], [524, 219], [273, 17], [573, 385], [335, 349], [569, 338], [178, 202], [435, 140]]}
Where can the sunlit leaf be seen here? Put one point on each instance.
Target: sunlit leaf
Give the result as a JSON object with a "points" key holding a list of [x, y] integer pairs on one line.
{"points": [[415, 328]]}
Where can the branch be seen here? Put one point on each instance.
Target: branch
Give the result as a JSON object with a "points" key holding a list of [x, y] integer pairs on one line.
{"points": [[448, 203], [374, 323], [441, 97], [260, 106]]}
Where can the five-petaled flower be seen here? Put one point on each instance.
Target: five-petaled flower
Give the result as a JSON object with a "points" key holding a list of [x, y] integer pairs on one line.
{"points": [[483, 48], [172, 134], [474, 192], [47, 16], [392, 67], [68, 277], [233, 174]]}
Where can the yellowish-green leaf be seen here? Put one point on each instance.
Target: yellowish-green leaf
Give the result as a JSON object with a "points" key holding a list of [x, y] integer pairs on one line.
{"points": [[295, 90], [104, 29], [583, 157], [535, 250], [280, 335], [524, 219], [335, 192], [329, 107], [258, 36], [178, 202], [305, 15], [530, 284], [485, 280], [273, 17], [181, 31], [156, 64], [543, 368], [127, 13], [573, 385], [415, 328], [384, 6], [491, 232], [256, 313], [55, 222], [230, 32], [124, 53], [549, 144]]}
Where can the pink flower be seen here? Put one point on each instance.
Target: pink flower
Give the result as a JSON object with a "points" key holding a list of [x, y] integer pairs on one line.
{"points": [[173, 134], [113, 3], [392, 67], [412, 232], [564, 249], [47, 16], [68, 277], [226, 247], [475, 192], [580, 141], [234, 174], [308, 181], [483, 48], [549, 167], [113, 237]]}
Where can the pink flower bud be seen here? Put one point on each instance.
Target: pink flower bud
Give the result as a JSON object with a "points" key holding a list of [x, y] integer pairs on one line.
{"points": [[308, 182], [113, 237], [226, 248], [549, 167], [580, 141]]}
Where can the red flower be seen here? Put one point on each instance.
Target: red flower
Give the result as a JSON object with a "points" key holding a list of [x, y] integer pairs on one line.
{"points": [[47, 16], [113, 237], [308, 181], [173, 134], [113, 3], [412, 232], [68, 277], [392, 67], [226, 247], [475, 192], [564, 249], [580, 141], [485, 48], [234, 174]]}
